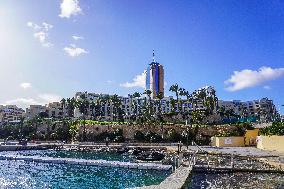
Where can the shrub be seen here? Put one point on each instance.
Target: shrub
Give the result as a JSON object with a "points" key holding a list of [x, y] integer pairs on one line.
{"points": [[139, 136], [153, 137], [277, 128], [173, 136]]}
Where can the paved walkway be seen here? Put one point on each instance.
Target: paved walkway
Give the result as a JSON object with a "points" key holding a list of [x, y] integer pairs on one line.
{"points": [[273, 158], [175, 181]]}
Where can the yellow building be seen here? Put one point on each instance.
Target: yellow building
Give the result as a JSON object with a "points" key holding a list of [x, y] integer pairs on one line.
{"points": [[250, 137]]}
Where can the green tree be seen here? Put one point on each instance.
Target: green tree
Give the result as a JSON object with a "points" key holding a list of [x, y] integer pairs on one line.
{"points": [[136, 112], [175, 89], [63, 105], [83, 106]]}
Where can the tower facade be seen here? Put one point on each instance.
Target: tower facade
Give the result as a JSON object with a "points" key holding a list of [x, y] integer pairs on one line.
{"points": [[155, 78]]}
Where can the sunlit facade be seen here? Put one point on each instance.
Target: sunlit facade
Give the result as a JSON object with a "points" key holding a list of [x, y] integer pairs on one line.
{"points": [[155, 78]]}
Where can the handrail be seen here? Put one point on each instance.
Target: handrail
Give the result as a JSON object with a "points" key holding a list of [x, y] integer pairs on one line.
{"points": [[194, 143]]}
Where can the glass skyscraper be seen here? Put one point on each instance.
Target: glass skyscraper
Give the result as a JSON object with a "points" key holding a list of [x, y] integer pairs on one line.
{"points": [[155, 78]]}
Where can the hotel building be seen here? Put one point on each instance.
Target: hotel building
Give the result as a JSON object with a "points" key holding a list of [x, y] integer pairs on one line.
{"points": [[155, 78], [11, 114]]}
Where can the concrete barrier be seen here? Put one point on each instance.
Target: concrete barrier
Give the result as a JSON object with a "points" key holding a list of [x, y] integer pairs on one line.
{"points": [[228, 141], [104, 163]]}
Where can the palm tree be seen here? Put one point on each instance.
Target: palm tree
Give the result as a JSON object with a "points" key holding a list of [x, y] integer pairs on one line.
{"points": [[160, 96], [175, 89], [149, 105], [105, 102], [136, 96], [63, 105], [83, 106], [116, 103], [181, 92], [92, 107], [100, 102], [71, 104], [22, 119]]}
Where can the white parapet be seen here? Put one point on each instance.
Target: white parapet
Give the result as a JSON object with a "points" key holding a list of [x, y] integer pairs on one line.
{"points": [[105, 163]]}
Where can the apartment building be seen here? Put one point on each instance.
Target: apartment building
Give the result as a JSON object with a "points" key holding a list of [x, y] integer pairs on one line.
{"points": [[129, 105], [263, 109], [52, 110], [11, 114], [55, 110]]}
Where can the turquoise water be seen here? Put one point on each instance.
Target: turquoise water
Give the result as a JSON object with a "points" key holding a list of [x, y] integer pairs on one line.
{"points": [[22, 175]]}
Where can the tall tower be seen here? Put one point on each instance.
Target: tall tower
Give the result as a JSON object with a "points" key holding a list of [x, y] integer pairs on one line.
{"points": [[155, 77]]}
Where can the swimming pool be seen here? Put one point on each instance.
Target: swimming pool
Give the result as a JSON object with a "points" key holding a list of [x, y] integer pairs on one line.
{"points": [[20, 174], [110, 156]]}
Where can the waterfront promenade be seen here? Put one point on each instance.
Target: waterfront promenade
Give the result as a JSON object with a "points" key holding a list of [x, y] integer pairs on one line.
{"points": [[175, 181]]}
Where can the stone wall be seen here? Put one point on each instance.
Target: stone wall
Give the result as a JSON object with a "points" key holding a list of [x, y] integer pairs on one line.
{"points": [[130, 130]]}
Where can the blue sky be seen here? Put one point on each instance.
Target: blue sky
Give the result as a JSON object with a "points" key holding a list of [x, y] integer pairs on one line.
{"points": [[199, 43]]}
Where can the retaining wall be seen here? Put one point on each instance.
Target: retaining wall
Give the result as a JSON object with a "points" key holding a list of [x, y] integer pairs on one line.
{"points": [[274, 142]]}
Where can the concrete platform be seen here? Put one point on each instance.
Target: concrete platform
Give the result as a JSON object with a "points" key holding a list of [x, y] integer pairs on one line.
{"points": [[104, 163]]}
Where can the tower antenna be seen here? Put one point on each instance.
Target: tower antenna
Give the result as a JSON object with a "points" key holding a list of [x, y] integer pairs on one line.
{"points": [[154, 56]]}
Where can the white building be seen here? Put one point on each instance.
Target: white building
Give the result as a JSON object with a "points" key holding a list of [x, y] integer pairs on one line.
{"points": [[35, 110], [52, 110], [11, 114], [55, 110], [129, 105], [263, 109]]}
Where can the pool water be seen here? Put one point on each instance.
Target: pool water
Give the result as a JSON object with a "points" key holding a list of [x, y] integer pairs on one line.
{"points": [[22, 175]]}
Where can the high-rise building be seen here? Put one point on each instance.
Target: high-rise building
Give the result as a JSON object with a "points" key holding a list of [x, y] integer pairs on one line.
{"points": [[155, 78]]}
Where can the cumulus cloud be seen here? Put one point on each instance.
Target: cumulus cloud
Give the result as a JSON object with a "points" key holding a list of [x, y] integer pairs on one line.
{"points": [[138, 81], [41, 32], [40, 99], [33, 25], [26, 85], [250, 78], [267, 87], [22, 102], [48, 97], [77, 37], [74, 51], [69, 8]]}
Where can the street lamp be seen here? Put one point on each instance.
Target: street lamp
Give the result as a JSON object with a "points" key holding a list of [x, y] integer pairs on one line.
{"points": [[187, 133]]}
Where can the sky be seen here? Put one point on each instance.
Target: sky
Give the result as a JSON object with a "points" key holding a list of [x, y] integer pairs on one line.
{"points": [[52, 49]]}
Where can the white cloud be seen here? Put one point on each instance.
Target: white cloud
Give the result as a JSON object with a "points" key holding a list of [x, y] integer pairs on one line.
{"points": [[33, 25], [267, 87], [69, 8], [26, 85], [47, 26], [48, 97], [138, 81], [250, 78], [77, 37], [41, 32], [41, 99], [73, 51], [22, 102]]}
